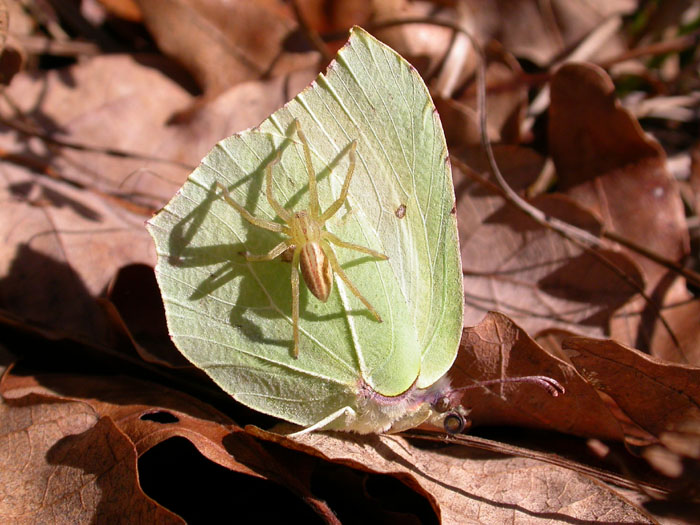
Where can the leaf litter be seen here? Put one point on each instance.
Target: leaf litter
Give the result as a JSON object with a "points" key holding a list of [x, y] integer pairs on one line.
{"points": [[73, 221]]}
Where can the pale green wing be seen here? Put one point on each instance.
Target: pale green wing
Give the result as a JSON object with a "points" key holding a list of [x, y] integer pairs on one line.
{"points": [[232, 318]]}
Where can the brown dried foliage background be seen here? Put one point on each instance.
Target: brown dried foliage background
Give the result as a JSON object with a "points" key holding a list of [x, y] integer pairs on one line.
{"points": [[592, 108]]}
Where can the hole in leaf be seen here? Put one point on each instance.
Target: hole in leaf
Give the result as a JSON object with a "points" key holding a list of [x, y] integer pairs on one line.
{"points": [[176, 475]]}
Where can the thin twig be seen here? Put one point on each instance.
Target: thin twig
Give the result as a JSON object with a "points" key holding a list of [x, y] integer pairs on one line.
{"points": [[675, 45], [689, 274], [40, 45], [545, 457], [31, 131]]}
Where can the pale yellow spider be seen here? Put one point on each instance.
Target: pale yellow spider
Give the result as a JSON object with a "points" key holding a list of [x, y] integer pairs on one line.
{"points": [[307, 238]]}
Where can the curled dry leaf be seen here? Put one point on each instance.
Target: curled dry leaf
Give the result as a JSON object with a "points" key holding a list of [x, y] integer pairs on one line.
{"points": [[661, 397], [62, 462], [148, 414], [498, 348], [657, 395], [136, 407], [468, 486]]}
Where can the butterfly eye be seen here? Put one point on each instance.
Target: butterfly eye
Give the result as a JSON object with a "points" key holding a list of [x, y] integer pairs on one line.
{"points": [[454, 423], [442, 405]]}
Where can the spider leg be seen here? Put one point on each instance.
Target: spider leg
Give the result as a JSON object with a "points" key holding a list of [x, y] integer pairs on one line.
{"points": [[335, 240], [279, 209], [295, 299], [333, 208], [261, 223], [314, 206], [272, 254], [328, 250]]}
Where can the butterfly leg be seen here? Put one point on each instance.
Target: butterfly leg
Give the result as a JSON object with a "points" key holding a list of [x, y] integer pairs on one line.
{"points": [[348, 412]]}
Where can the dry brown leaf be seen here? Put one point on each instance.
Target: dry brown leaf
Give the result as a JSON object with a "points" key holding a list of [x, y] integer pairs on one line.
{"points": [[12, 56], [109, 101], [64, 244], [240, 107], [329, 16], [516, 266], [467, 486], [639, 323], [663, 16], [4, 24], [116, 102], [606, 162], [46, 245], [126, 9], [694, 178], [661, 397], [540, 31], [149, 414], [62, 463], [423, 45], [657, 395], [497, 348], [20, 21], [138, 407], [221, 43], [460, 122]]}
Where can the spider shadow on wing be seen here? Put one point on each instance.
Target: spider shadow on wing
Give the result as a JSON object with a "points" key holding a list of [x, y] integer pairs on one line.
{"points": [[303, 232], [226, 262]]}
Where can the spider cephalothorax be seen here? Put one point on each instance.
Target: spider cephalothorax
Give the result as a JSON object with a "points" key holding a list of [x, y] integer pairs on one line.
{"points": [[309, 242]]}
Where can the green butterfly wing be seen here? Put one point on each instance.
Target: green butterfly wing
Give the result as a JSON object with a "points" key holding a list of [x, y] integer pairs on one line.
{"points": [[232, 318]]}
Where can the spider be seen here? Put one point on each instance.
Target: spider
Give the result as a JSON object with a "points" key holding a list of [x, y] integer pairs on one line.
{"points": [[309, 241]]}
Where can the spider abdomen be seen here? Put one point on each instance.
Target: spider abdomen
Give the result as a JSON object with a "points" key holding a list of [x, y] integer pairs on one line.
{"points": [[316, 270]]}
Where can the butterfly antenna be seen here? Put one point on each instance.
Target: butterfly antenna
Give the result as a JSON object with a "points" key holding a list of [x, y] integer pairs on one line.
{"points": [[552, 386]]}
